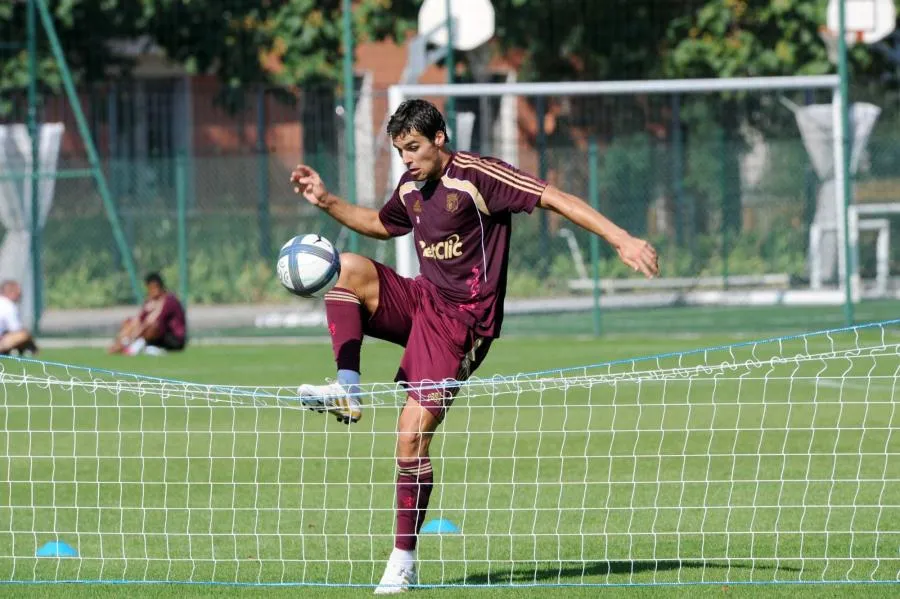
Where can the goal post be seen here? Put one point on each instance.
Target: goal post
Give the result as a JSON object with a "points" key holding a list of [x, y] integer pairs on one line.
{"points": [[775, 461], [830, 84]]}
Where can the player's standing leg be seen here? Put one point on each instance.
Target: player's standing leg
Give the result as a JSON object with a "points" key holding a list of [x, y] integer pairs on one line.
{"points": [[415, 481]]}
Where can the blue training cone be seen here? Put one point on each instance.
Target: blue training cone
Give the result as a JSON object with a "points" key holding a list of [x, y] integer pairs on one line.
{"points": [[439, 527], [57, 549]]}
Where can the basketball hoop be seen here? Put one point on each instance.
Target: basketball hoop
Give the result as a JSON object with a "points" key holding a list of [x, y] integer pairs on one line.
{"points": [[865, 22]]}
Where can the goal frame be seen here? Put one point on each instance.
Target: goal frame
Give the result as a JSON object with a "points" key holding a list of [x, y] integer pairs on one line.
{"points": [[406, 263]]}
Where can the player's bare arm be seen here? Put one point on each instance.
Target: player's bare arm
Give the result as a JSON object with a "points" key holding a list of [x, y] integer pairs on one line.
{"points": [[365, 221], [634, 252]]}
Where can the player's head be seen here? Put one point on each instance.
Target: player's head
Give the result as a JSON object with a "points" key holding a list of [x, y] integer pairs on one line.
{"points": [[155, 285], [418, 131], [11, 289]]}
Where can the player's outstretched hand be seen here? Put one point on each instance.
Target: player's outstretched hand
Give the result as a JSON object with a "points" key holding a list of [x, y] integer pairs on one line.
{"points": [[640, 256], [308, 183]]}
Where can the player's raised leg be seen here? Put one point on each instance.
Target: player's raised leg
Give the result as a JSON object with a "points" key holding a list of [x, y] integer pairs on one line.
{"points": [[415, 481], [347, 305]]}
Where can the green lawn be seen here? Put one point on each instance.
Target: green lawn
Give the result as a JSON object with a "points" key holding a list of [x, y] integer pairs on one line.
{"points": [[666, 470]]}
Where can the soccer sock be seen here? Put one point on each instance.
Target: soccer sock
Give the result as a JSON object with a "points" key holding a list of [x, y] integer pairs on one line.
{"points": [[349, 380], [415, 480], [345, 323]]}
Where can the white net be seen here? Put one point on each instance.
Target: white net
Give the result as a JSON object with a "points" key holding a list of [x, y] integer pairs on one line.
{"points": [[765, 462]]}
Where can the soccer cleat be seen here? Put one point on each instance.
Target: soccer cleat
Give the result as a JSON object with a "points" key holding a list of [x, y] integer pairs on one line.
{"points": [[397, 578], [332, 398]]}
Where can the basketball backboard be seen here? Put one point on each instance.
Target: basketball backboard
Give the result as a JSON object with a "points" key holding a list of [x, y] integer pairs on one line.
{"points": [[473, 22], [866, 21]]}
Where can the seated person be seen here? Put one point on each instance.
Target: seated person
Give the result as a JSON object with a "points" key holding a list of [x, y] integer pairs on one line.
{"points": [[13, 336], [160, 325]]}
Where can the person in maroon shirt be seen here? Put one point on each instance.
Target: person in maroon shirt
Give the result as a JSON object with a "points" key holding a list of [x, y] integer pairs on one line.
{"points": [[458, 206], [160, 325]]}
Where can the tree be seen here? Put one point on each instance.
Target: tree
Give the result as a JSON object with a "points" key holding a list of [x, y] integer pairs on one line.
{"points": [[241, 41]]}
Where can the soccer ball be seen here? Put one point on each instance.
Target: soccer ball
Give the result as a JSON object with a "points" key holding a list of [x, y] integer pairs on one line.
{"points": [[308, 265]]}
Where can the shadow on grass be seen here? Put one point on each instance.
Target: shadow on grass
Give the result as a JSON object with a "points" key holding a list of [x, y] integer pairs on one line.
{"points": [[524, 573]]}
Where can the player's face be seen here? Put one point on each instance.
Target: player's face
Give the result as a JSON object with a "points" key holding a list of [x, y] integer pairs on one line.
{"points": [[154, 291], [420, 155]]}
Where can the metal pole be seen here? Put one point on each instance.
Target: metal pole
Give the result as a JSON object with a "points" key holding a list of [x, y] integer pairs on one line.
{"points": [[594, 198], [262, 201], [90, 148], [451, 69], [34, 132], [350, 114], [541, 109], [678, 171], [181, 207], [845, 191], [723, 188]]}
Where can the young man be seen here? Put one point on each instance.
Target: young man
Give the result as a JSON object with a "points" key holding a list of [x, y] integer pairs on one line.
{"points": [[160, 326], [458, 206], [13, 335]]}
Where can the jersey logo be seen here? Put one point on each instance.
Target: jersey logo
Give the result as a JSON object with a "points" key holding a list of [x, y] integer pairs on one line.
{"points": [[452, 202], [417, 207], [442, 250]]}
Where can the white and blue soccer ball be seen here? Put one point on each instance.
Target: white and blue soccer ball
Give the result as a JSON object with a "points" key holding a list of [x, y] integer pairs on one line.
{"points": [[308, 265]]}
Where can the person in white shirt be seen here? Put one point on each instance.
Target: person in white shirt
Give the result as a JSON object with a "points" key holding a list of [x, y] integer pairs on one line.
{"points": [[13, 336]]}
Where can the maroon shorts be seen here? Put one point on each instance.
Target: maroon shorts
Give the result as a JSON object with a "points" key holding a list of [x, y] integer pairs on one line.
{"points": [[439, 349]]}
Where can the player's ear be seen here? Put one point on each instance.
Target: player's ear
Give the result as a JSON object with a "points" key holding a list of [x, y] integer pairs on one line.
{"points": [[440, 139]]}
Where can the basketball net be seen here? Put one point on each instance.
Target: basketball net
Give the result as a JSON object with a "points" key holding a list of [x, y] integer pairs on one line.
{"points": [[831, 41]]}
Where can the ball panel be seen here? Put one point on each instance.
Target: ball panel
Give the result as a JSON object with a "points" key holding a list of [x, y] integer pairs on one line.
{"points": [[308, 265]]}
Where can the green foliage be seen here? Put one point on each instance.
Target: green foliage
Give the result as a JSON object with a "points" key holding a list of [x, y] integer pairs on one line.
{"points": [[623, 40], [739, 38], [629, 181], [242, 41]]}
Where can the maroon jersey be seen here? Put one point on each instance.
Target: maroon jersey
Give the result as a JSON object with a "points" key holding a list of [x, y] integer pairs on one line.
{"points": [[461, 224], [167, 313]]}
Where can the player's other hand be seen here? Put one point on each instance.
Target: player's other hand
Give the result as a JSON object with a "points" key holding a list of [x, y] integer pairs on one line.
{"points": [[639, 255], [308, 183]]}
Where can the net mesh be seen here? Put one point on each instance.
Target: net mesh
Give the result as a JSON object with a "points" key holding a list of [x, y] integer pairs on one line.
{"points": [[772, 461]]}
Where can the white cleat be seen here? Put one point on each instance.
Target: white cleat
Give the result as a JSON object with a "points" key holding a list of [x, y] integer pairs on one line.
{"points": [[397, 578], [332, 398]]}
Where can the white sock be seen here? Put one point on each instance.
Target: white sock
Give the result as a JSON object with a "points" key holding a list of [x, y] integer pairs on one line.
{"points": [[136, 347], [404, 557]]}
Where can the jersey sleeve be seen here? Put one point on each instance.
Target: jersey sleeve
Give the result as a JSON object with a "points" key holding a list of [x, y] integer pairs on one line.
{"points": [[393, 215], [504, 187]]}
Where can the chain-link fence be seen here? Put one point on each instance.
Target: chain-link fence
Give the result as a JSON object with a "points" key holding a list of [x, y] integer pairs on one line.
{"points": [[722, 184]]}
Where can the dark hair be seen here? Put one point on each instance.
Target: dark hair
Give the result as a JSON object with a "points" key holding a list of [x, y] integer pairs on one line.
{"points": [[417, 115], [154, 277]]}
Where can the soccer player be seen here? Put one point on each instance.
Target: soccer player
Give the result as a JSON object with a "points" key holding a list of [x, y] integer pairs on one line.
{"points": [[13, 335], [160, 326], [458, 206]]}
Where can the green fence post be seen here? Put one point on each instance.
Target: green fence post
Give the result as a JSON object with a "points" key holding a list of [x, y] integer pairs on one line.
{"points": [[594, 198], [844, 72], [350, 115], [678, 171], [262, 200], [90, 148], [181, 208], [451, 71], [34, 132], [723, 187]]}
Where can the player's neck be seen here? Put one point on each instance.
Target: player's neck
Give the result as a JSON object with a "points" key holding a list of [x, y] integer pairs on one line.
{"points": [[446, 157]]}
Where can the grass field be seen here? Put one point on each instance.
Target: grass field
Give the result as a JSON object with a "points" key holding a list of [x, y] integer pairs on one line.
{"points": [[608, 475]]}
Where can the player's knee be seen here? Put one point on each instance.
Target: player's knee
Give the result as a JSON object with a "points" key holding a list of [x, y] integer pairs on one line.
{"points": [[357, 273], [411, 444]]}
